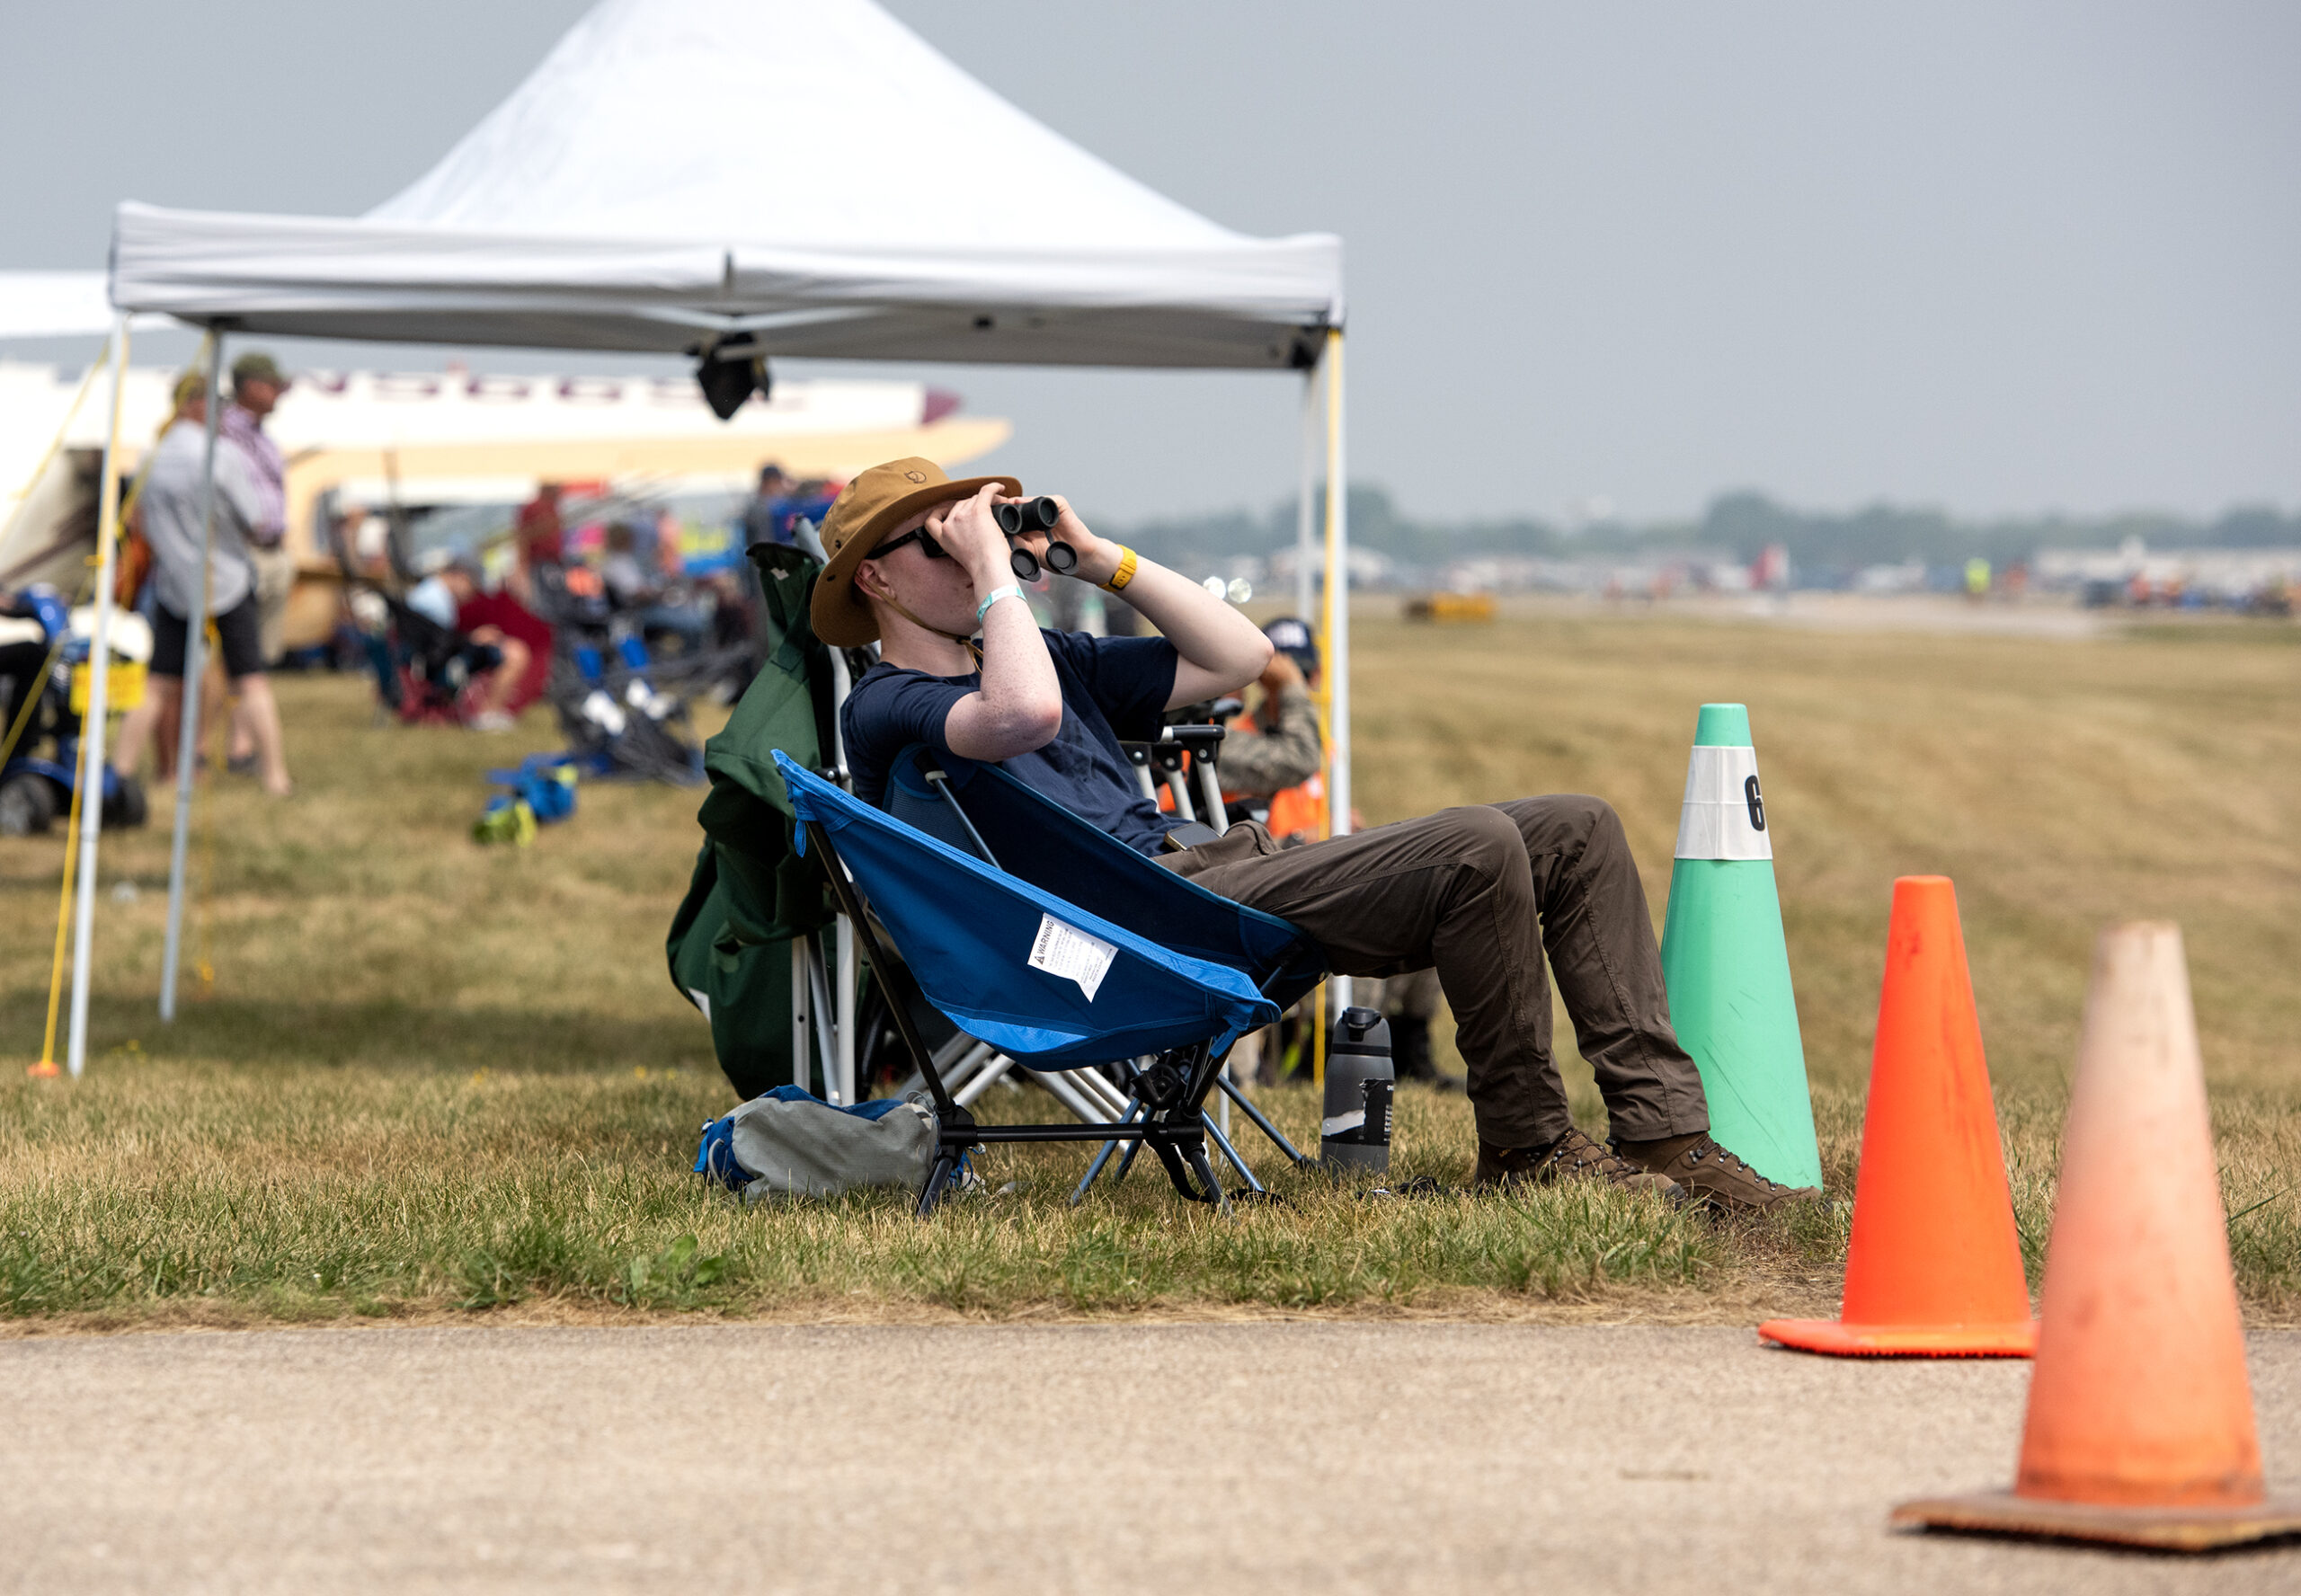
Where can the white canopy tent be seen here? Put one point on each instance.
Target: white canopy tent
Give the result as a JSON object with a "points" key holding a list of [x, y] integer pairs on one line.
{"points": [[810, 171], [805, 178]]}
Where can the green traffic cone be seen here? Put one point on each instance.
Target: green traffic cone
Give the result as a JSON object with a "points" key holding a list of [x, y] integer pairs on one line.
{"points": [[1725, 964]]}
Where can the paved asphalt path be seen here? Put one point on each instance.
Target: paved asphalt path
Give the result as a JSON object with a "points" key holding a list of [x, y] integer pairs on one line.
{"points": [[1212, 1457]]}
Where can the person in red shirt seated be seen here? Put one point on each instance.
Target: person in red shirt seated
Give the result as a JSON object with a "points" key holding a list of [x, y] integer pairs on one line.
{"points": [[523, 639]]}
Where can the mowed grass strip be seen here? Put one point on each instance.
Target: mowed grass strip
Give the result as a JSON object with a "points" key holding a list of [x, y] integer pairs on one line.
{"points": [[428, 1078], [167, 1192], [226, 1193]]}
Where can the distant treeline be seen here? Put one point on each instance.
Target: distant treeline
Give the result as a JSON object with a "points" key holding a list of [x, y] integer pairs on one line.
{"points": [[1740, 524]]}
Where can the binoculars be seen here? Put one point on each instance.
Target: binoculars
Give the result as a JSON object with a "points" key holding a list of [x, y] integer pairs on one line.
{"points": [[1034, 515]]}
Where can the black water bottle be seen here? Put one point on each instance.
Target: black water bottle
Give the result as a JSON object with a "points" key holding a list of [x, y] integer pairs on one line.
{"points": [[1355, 1132]]}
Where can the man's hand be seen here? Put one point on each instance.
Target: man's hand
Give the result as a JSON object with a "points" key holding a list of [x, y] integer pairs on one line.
{"points": [[970, 535], [1282, 672], [1221, 651], [1098, 557]]}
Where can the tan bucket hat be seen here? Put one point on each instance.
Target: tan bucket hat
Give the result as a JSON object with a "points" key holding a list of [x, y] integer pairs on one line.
{"points": [[870, 506]]}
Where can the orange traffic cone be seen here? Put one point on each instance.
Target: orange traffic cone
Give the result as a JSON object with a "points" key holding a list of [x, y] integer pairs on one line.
{"points": [[1935, 1265], [2141, 1424]]}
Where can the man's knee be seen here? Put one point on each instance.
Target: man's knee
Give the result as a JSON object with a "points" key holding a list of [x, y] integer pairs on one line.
{"points": [[1484, 838], [1564, 823], [1594, 818]]}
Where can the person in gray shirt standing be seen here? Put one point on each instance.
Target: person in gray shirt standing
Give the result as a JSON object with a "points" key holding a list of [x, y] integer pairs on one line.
{"points": [[222, 587]]}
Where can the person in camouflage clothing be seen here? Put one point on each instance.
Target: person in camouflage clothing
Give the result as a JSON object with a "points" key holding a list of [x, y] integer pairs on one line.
{"points": [[1280, 748]]}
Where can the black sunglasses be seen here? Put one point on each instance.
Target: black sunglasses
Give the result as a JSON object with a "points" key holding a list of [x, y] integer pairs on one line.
{"points": [[918, 535]]}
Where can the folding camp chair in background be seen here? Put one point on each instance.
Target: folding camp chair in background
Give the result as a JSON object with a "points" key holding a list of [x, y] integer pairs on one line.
{"points": [[1159, 980], [1180, 754]]}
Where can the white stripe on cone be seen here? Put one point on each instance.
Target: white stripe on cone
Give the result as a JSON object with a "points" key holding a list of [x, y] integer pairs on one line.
{"points": [[1724, 815]]}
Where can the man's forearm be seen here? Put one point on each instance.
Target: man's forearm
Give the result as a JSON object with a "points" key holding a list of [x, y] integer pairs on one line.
{"points": [[1019, 706], [1017, 677], [1223, 648]]}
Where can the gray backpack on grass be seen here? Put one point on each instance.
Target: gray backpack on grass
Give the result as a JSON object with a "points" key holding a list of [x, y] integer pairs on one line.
{"points": [[790, 1143]]}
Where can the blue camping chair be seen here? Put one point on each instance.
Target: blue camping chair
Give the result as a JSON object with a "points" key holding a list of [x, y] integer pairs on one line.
{"points": [[983, 903]]}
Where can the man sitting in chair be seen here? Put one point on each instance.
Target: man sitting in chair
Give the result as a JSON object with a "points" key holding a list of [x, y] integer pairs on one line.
{"points": [[918, 561]]}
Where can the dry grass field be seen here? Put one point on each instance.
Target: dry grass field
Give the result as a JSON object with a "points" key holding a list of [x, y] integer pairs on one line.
{"points": [[428, 1078]]}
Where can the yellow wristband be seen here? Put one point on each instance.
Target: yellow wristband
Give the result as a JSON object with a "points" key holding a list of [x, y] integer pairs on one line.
{"points": [[1125, 572]]}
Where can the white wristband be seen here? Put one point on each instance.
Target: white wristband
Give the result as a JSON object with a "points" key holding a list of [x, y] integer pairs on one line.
{"points": [[1009, 591]]}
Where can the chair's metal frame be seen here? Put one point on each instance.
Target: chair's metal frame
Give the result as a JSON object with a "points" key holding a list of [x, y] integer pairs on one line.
{"points": [[823, 1001]]}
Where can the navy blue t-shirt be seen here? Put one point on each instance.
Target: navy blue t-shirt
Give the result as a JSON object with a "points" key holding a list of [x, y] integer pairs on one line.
{"points": [[1113, 687]]}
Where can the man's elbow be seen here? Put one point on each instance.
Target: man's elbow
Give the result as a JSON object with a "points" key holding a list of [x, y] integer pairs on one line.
{"points": [[1252, 661], [992, 733], [1041, 720], [1029, 726]]}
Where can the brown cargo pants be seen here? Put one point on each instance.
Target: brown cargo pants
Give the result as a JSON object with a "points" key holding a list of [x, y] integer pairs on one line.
{"points": [[1481, 893]]}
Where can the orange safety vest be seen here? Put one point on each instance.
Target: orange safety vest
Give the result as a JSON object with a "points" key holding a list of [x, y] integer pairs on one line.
{"points": [[1300, 808]]}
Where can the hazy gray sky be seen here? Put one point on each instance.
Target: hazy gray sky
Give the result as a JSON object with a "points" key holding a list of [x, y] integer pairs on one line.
{"points": [[1996, 257]]}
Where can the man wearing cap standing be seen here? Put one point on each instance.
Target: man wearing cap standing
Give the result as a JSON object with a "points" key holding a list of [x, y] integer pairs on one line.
{"points": [[257, 384], [1481, 892]]}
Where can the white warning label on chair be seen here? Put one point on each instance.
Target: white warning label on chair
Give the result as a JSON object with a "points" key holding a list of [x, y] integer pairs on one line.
{"points": [[1071, 953], [1724, 814]]}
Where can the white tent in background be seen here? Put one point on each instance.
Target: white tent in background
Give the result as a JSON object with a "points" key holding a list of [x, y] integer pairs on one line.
{"points": [[53, 304], [809, 171], [780, 177]]}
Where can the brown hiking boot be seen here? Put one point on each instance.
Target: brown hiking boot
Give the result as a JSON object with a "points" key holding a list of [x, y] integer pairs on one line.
{"points": [[1572, 1157], [1712, 1174]]}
